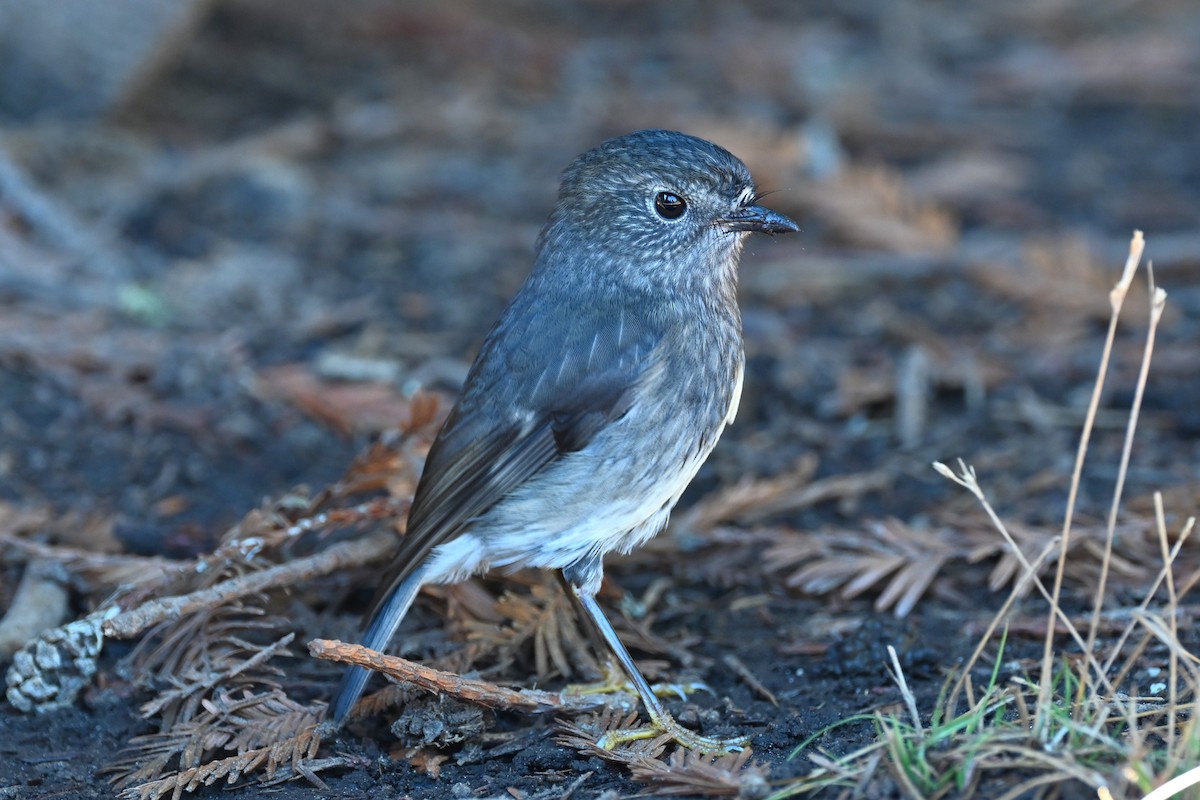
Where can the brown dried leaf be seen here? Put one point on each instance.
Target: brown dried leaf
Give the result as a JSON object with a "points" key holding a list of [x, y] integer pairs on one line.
{"points": [[267, 719], [906, 558], [92, 533], [683, 773], [585, 731], [752, 501], [544, 619], [731, 503], [694, 774], [429, 761], [359, 407], [1067, 281], [265, 728], [879, 383], [293, 757], [227, 662], [395, 463]]}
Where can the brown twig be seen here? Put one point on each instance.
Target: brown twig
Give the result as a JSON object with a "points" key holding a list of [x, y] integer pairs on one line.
{"points": [[344, 555], [750, 679], [78, 560], [469, 690], [753, 501]]}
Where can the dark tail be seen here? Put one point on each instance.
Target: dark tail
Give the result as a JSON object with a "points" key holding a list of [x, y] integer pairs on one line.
{"points": [[386, 618]]}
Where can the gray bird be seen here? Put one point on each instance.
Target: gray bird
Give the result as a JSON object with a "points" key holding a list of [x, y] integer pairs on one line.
{"points": [[599, 393]]}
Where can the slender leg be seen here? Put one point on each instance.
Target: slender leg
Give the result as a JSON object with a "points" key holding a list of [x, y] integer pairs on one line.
{"points": [[660, 718], [614, 678]]}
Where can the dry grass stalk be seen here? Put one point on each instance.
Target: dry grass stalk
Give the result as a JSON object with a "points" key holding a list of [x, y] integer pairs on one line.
{"points": [[966, 478], [1158, 301], [1176, 786], [749, 678], [1077, 723], [747, 496], [1116, 301], [1173, 623], [1018, 590]]}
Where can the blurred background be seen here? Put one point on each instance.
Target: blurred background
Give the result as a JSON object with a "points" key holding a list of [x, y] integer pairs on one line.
{"points": [[236, 234]]}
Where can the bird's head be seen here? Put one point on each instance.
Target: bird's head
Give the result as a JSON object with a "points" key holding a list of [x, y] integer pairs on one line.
{"points": [[656, 209]]}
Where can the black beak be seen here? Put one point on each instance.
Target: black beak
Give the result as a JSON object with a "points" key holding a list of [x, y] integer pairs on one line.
{"points": [[756, 219]]}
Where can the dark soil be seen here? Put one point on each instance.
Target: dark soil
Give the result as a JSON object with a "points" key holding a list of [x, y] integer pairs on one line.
{"points": [[353, 195]]}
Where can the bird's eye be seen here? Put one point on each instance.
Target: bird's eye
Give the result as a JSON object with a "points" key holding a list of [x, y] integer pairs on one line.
{"points": [[669, 205]]}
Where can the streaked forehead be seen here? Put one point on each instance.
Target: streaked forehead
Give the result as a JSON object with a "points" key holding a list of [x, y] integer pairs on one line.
{"points": [[658, 155]]}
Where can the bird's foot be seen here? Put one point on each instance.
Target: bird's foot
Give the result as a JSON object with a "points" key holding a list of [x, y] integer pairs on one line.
{"points": [[614, 681], [685, 737], [679, 691]]}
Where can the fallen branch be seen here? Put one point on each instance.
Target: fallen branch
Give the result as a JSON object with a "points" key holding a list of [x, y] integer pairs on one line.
{"points": [[469, 690], [334, 559]]}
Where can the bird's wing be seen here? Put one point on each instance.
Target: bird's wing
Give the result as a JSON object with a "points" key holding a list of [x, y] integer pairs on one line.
{"points": [[544, 384]]}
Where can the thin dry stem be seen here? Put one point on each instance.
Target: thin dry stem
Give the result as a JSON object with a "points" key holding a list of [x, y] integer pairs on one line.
{"points": [[909, 699], [749, 678], [1176, 786], [1150, 593], [1158, 301], [333, 559], [967, 479], [1116, 300], [1162, 631], [1173, 622], [1017, 591], [1133, 657]]}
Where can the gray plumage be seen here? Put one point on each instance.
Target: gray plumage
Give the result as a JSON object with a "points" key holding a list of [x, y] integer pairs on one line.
{"points": [[601, 390]]}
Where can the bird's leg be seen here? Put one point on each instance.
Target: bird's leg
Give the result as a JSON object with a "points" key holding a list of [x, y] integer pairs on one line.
{"points": [[614, 678], [660, 719]]}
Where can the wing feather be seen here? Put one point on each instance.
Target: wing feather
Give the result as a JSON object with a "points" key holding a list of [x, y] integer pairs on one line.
{"points": [[542, 386]]}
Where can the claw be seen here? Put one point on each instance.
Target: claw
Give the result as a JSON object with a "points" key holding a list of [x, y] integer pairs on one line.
{"points": [[614, 681], [681, 735], [680, 690], [661, 721]]}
